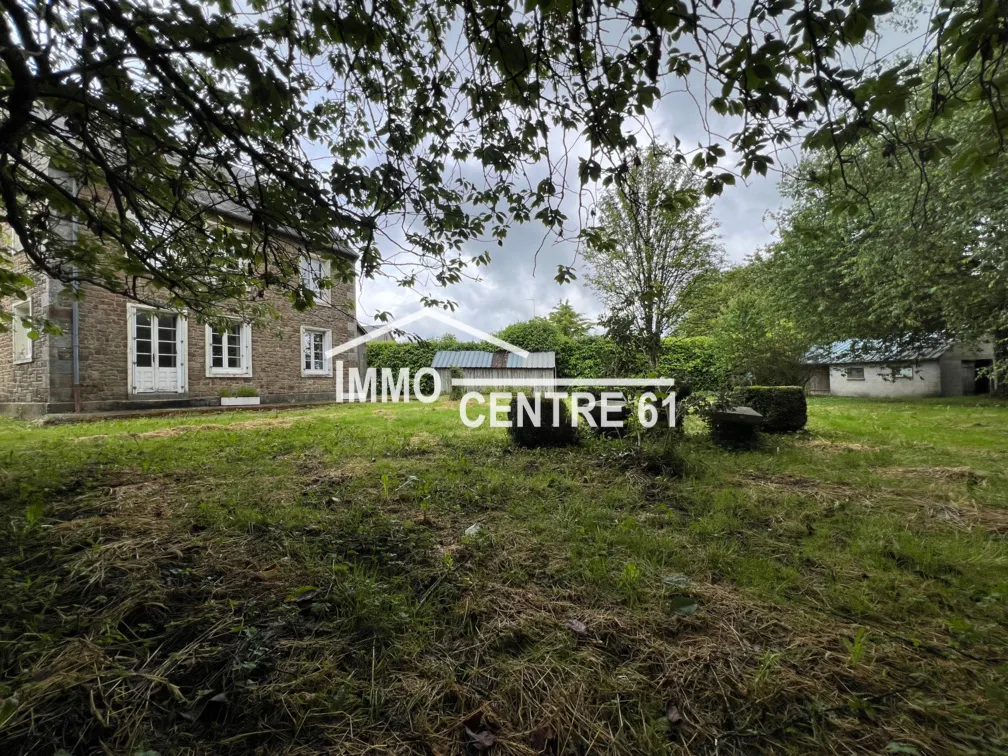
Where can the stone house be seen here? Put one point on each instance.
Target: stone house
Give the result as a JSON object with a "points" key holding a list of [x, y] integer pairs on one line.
{"points": [[115, 354], [946, 368]]}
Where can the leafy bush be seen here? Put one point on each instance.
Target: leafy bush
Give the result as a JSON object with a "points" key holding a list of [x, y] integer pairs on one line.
{"points": [[784, 408], [531, 437], [692, 360], [587, 357], [535, 335], [414, 355]]}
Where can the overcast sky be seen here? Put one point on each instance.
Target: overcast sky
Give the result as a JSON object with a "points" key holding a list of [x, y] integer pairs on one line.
{"points": [[518, 283]]}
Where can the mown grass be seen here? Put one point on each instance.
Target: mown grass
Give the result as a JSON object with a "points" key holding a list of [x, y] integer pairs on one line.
{"points": [[301, 581]]}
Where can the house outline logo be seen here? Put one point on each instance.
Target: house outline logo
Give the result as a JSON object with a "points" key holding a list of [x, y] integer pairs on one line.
{"points": [[424, 314]]}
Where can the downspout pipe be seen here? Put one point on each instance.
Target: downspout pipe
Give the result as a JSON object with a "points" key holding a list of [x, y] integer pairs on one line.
{"points": [[75, 314]]}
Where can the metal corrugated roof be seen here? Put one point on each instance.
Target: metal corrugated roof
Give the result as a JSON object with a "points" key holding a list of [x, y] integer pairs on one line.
{"points": [[468, 359], [535, 361], [479, 359], [850, 351]]}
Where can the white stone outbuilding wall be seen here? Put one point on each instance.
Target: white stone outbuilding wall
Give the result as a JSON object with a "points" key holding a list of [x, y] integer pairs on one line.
{"points": [[879, 381]]}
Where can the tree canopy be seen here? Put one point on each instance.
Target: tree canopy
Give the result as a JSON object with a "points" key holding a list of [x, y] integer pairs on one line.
{"points": [[659, 238], [410, 130], [569, 321], [891, 259]]}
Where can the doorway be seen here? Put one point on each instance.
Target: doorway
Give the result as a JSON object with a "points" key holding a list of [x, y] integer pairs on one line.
{"points": [[157, 352], [983, 379]]}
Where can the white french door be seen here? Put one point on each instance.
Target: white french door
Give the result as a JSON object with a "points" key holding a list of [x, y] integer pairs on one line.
{"points": [[157, 350]]}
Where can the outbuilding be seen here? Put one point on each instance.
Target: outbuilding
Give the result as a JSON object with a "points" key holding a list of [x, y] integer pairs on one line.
{"points": [[496, 367], [945, 368]]}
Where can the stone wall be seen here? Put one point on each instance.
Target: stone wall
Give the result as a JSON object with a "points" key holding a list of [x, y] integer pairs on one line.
{"points": [[276, 349], [26, 382]]}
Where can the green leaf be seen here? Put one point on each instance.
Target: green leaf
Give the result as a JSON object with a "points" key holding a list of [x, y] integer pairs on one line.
{"points": [[683, 606], [8, 708]]}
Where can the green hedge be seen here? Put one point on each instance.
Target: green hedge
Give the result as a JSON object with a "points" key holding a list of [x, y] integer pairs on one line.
{"points": [[783, 408], [693, 360]]}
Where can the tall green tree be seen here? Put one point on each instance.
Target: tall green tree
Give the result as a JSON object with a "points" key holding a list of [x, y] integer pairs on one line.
{"points": [[891, 260], [754, 338], [405, 129], [569, 321], [660, 237]]}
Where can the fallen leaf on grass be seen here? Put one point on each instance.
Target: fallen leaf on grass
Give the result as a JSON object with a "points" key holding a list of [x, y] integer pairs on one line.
{"points": [[8, 707], [303, 594], [676, 581], [481, 740], [213, 708], [684, 606], [896, 747], [577, 626], [672, 713], [543, 739]]}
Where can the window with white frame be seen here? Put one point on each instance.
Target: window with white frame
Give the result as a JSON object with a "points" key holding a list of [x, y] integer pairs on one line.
{"points": [[229, 349], [855, 374], [10, 242], [22, 340], [315, 342], [905, 372], [313, 271]]}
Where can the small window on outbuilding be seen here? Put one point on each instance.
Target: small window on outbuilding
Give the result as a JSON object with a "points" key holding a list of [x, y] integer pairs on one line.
{"points": [[855, 374]]}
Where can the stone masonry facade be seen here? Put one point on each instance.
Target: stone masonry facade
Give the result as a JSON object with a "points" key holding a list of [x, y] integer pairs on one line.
{"points": [[45, 385]]}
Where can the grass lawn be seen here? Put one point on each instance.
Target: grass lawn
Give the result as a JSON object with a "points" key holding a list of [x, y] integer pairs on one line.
{"points": [[301, 582]]}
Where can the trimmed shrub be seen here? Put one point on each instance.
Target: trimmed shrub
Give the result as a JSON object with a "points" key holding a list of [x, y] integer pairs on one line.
{"points": [[621, 414], [531, 437], [784, 408]]}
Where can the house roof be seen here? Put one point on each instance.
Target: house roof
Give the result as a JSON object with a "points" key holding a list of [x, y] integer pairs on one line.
{"points": [[226, 206], [851, 351], [475, 358]]}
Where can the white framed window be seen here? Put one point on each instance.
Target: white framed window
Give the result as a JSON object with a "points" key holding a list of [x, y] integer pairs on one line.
{"points": [[855, 374], [229, 350], [315, 342], [905, 372], [313, 270], [10, 243], [21, 333]]}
